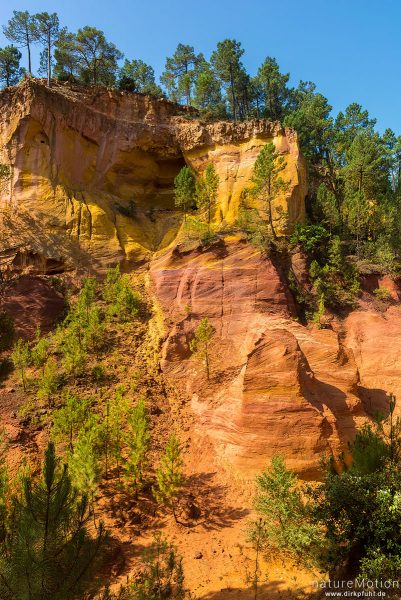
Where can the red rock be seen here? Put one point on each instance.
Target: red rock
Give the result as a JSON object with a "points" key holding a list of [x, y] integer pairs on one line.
{"points": [[32, 302], [276, 386]]}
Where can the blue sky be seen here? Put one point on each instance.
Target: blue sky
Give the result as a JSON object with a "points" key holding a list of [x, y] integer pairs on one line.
{"points": [[350, 48]]}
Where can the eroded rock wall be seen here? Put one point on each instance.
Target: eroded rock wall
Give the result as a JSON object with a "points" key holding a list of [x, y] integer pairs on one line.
{"points": [[276, 386], [94, 170], [233, 149]]}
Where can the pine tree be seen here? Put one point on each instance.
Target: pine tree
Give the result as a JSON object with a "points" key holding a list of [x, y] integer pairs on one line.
{"points": [[162, 576], [86, 296], [40, 351], [274, 91], [21, 357], [116, 412], [227, 65], [49, 382], [138, 443], [48, 554], [266, 179], [66, 60], [47, 32], [200, 344], [123, 302], [310, 117], [180, 72], [207, 92], [10, 72], [69, 419], [83, 462], [365, 183], [169, 476], [206, 191], [74, 354], [257, 537], [137, 76], [21, 30], [184, 190], [97, 57], [94, 332]]}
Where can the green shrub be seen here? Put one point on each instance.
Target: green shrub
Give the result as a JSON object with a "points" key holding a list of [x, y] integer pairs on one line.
{"points": [[49, 381], [383, 294], [289, 526], [21, 357], [256, 229], [352, 513], [123, 302], [40, 351], [98, 372], [311, 237]]}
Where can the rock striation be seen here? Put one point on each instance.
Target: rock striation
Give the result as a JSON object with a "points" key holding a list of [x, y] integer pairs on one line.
{"points": [[277, 387], [92, 172]]}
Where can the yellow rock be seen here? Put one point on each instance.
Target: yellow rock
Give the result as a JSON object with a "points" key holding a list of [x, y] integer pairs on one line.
{"points": [[97, 167]]}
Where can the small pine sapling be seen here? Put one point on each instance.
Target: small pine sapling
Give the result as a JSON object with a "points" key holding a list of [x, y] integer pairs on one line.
{"points": [[40, 351], [84, 464], [200, 344], [69, 419], [49, 382], [170, 477], [138, 443], [21, 357]]}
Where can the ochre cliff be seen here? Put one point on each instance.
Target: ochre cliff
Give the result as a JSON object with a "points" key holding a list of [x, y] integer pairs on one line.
{"points": [[276, 386], [92, 175], [92, 172]]}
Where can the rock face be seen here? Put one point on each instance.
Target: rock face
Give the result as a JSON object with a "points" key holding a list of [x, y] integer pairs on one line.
{"points": [[32, 302], [233, 149], [92, 172], [276, 386]]}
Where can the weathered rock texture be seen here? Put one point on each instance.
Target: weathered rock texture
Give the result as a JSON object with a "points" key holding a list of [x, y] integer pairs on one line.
{"points": [[92, 176], [276, 386], [92, 172], [32, 302]]}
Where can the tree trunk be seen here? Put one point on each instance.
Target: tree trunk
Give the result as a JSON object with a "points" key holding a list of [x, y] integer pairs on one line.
{"points": [[269, 208], [207, 363], [28, 46], [49, 65], [233, 99]]}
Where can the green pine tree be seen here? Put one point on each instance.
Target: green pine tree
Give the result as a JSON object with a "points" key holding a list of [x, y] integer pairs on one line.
{"points": [[138, 442], [21, 30], [49, 381], [112, 433], [49, 553], [170, 477], [69, 419], [21, 357], [180, 73], [40, 351], [226, 62], [200, 344], [184, 190], [10, 72], [206, 191], [266, 179], [73, 351], [84, 462], [123, 302]]}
